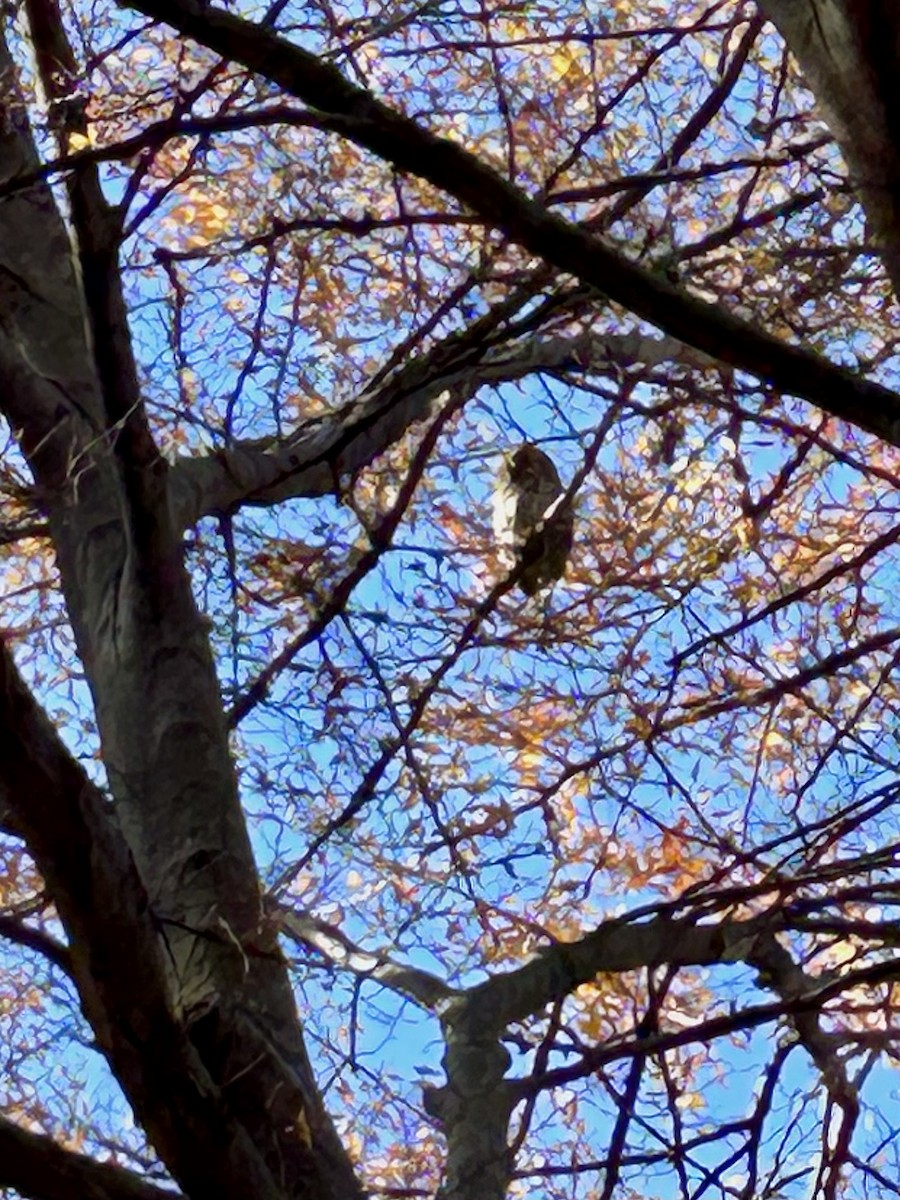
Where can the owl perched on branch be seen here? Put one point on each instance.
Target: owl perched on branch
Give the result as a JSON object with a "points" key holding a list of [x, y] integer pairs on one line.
{"points": [[531, 524]]}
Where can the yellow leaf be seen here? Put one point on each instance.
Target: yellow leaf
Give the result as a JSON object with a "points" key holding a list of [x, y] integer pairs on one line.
{"points": [[561, 62]]}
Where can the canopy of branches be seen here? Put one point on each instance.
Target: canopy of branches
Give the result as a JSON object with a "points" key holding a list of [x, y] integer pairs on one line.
{"points": [[332, 862]]}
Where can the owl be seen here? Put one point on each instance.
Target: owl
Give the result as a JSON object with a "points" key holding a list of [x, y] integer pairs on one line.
{"points": [[531, 524]]}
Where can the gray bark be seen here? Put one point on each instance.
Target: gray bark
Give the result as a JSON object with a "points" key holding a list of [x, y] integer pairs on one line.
{"points": [[849, 53], [211, 994]]}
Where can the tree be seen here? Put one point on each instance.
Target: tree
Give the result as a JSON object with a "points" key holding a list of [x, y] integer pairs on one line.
{"points": [[294, 785]]}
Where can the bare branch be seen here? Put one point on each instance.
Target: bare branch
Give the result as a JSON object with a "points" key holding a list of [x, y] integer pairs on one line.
{"points": [[355, 114], [420, 986]]}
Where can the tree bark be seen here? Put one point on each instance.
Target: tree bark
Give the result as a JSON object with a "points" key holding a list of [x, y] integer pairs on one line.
{"points": [[221, 1000], [849, 53]]}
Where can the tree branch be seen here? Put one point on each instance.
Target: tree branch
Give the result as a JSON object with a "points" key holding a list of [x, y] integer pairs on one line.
{"points": [[311, 461], [116, 952], [14, 930], [847, 51], [419, 986], [37, 1167], [354, 113]]}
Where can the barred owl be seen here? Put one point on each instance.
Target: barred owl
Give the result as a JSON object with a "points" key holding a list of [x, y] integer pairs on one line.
{"points": [[531, 525]]}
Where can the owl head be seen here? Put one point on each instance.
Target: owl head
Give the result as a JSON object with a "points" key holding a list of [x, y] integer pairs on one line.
{"points": [[528, 465]]}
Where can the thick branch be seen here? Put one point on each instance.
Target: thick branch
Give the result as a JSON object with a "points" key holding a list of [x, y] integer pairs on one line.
{"points": [[419, 986], [312, 461], [14, 930], [97, 230], [37, 1167], [475, 1103], [849, 52], [117, 958], [355, 114], [147, 658], [617, 945]]}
